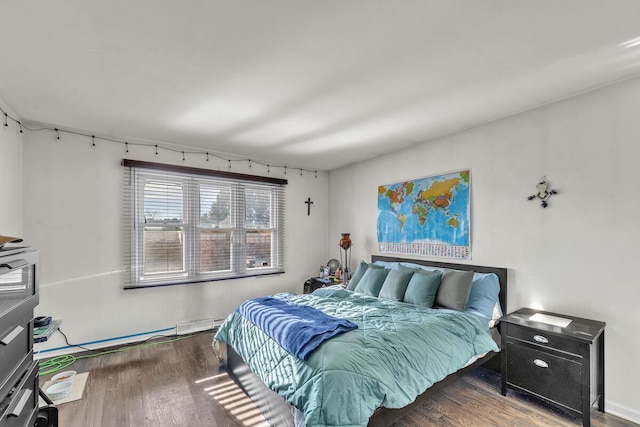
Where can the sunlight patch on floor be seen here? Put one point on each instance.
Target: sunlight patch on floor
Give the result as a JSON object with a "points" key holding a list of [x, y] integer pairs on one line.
{"points": [[233, 401], [221, 388], [228, 395], [210, 378]]}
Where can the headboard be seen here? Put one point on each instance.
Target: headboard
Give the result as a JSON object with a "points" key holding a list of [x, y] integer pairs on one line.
{"points": [[500, 272]]}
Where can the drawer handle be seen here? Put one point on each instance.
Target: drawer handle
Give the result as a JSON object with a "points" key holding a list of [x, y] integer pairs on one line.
{"points": [[12, 265], [26, 394], [540, 339], [6, 340], [540, 363]]}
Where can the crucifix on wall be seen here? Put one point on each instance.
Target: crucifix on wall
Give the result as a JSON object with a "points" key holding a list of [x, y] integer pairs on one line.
{"points": [[309, 203]]}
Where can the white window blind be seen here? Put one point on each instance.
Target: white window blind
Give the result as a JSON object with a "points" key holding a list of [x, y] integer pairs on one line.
{"points": [[186, 225]]}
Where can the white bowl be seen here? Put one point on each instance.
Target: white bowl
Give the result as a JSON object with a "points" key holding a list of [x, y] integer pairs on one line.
{"points": [[64, 376], [59, 390]]}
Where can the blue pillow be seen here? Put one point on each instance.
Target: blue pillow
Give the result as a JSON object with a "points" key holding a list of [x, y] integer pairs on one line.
{"points": [[414, 266], [387, 264], [485, 289], [395, 285], [357, 275], [372, 281], [483, 298], [422, 288]]}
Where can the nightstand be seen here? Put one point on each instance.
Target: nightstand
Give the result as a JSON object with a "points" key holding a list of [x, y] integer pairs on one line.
{"points": [[561, 364], [319, 282]]}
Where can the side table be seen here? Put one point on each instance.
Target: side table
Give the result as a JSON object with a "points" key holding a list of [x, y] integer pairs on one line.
{"points": [[314, 283], [556, 357]]}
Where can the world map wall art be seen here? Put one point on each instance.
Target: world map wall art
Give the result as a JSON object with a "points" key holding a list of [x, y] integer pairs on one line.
{"points": [[427, 216]]}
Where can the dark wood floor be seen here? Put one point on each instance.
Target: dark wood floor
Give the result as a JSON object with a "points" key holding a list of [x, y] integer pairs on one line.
{"points": [[179, 384]]}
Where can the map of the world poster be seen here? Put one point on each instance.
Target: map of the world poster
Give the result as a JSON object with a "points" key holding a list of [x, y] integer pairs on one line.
{"points": [[427, 216]]}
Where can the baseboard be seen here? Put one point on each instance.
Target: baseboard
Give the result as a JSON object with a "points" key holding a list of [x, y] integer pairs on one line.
{"points": [[621, 411]]}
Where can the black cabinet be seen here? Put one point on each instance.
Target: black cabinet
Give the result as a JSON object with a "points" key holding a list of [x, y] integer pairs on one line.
{"points": [[563, 364], [314, 283], [19, 389]]}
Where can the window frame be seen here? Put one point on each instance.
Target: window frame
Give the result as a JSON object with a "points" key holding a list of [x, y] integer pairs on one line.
{"points": [[137, 173]]}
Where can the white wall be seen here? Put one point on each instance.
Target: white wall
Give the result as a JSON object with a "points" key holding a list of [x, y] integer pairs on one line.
{"points": [[72, 214], [10, 176], [578, 256]]}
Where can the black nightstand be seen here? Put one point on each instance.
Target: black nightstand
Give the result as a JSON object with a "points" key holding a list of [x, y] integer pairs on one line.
{"points": [[319, 282], [562, 365]]}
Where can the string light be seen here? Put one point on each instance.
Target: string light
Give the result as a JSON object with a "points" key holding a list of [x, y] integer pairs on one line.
{"points": [[157, 147]]}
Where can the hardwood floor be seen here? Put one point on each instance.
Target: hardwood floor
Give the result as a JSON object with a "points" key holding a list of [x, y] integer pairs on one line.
{"points": [[179, 384]]}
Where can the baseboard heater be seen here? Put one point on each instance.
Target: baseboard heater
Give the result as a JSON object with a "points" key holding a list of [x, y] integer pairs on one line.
{"points": [[197, 326]]}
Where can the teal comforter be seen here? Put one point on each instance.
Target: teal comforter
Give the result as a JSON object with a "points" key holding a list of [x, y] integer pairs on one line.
{"points": [[398, 351]]}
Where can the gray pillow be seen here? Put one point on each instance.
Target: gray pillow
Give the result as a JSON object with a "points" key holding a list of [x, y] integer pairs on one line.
{"points": [[454, 289], [372, 281], [357, 275], [395, 285], [422, 288]]}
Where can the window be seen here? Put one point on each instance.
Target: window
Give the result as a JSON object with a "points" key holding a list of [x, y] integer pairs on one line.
{"points": [[186, 225]]}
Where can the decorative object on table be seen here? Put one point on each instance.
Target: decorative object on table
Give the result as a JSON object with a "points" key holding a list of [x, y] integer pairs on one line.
{"points": [[428, 216], [334, 265], [324, 271], [544, 193], [308, 203], [345, 255]]}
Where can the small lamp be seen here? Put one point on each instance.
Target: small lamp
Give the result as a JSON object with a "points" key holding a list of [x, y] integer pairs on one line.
{"points": [[345, 255]]}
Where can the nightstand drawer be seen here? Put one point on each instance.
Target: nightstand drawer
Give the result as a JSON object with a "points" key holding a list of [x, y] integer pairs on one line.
{"points": [[555, 378], [19, 408], [540, 338], [15, 341]]}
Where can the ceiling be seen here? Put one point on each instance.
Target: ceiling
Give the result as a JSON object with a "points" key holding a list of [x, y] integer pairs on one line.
{"points": [[309, 84]]}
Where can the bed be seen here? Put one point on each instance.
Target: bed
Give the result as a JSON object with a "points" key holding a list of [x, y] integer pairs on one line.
{"points": [[323, 368]]}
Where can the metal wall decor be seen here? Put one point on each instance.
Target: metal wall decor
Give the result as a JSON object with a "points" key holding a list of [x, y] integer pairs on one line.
{"points": [[544, 192]]}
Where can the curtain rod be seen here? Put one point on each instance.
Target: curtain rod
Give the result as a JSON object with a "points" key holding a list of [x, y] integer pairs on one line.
{"points": [[204, 172]]}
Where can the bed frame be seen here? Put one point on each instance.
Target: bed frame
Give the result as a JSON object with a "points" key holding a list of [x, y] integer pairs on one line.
{"points": [[279, 413]]}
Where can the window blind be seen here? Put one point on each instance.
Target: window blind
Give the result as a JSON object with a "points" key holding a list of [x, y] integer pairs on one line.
{"points": [[186, 225]]}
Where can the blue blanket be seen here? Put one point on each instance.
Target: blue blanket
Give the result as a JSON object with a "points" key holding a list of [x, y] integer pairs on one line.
{"points": [[299, 329]]}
